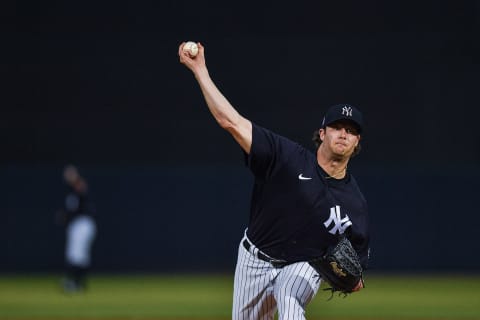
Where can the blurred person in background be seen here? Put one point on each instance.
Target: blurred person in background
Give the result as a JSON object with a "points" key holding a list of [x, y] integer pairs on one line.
{"points": [[77, 216]]}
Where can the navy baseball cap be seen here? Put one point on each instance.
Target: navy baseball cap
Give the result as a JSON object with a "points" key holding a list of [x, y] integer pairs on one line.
{"points": [[343, 112]]}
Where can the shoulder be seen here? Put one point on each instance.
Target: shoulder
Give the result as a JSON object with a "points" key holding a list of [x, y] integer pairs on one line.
{"points": [[270, 152], [262, 136]]}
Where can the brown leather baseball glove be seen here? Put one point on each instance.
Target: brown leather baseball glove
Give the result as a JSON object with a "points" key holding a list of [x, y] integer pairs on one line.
{"points": [[340, 267]]}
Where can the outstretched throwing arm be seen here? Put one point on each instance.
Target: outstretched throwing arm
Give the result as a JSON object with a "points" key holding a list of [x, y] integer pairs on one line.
{"points": [[225, 114]]}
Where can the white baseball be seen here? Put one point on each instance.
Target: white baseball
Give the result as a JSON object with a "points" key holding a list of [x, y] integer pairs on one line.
{"points": [[191, 48]]}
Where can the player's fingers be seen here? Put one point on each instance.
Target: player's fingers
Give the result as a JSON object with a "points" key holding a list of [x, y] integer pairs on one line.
{"points": [[184, 57], [201, 48], [183, 54], [180, 49]]}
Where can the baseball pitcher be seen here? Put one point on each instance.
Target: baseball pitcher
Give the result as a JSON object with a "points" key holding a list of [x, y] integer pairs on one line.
{"points": [[308, 220]]}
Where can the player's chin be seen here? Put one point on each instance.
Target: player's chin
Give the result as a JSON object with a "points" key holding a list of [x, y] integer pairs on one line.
{"points": [[342, 151]]}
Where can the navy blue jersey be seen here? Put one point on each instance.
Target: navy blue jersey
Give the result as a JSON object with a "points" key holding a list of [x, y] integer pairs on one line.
{"points": [[77, 203], [297, 211]]}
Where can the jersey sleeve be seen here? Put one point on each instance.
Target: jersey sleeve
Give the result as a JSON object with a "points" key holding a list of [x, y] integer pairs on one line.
{"points": [[269, 152]]}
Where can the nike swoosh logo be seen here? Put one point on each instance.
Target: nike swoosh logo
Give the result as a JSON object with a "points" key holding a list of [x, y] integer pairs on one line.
{"points": [[301, 177]]}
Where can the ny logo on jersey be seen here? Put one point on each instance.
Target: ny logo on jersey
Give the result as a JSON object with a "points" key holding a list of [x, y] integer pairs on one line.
{"points": [[347, 111], [339, 224]]}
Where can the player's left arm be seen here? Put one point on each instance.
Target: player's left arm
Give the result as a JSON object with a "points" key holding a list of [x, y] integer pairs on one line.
{"points": [[362, 252], [360, 243]]}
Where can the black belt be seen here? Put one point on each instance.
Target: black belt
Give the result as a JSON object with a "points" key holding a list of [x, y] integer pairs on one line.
{"points": [[274, 262]]}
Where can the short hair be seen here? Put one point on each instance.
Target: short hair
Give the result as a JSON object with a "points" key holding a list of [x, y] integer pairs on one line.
{"points": [[317, 141]]}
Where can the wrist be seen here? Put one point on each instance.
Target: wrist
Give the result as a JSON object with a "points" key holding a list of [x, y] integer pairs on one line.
{"points": [[201, 73]]}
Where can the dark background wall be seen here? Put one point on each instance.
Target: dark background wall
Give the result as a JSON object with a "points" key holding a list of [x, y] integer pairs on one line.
{"points": [[99, 85]]}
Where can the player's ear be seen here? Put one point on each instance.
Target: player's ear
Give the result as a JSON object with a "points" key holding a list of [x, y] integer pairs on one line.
{"points": [[358, 140], [321, 133]]}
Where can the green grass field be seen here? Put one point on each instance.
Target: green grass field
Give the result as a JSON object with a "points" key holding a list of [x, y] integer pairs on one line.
{"points": [[209, 297]]}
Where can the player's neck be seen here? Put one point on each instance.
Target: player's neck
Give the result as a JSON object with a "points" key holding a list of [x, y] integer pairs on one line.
{"points": [[335, 167], [335, 170]]}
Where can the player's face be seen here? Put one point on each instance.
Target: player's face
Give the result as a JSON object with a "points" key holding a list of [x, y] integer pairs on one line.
{"points": [[341, 137], [70, 174]]}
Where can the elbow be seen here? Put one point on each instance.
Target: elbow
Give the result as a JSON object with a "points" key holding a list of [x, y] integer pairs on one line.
{"points": [[226, 124], [233, 124], [223, 123]]}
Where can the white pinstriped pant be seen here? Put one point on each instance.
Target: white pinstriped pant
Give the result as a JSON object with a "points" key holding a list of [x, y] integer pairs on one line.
{"points": [[80, 235], [260, 289]]}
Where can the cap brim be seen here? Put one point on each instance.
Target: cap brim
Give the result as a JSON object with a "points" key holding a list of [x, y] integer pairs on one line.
{"points": [[357, 125]]}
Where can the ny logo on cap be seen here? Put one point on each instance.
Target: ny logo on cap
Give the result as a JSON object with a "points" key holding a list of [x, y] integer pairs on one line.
{"points": [[346, 110]]}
